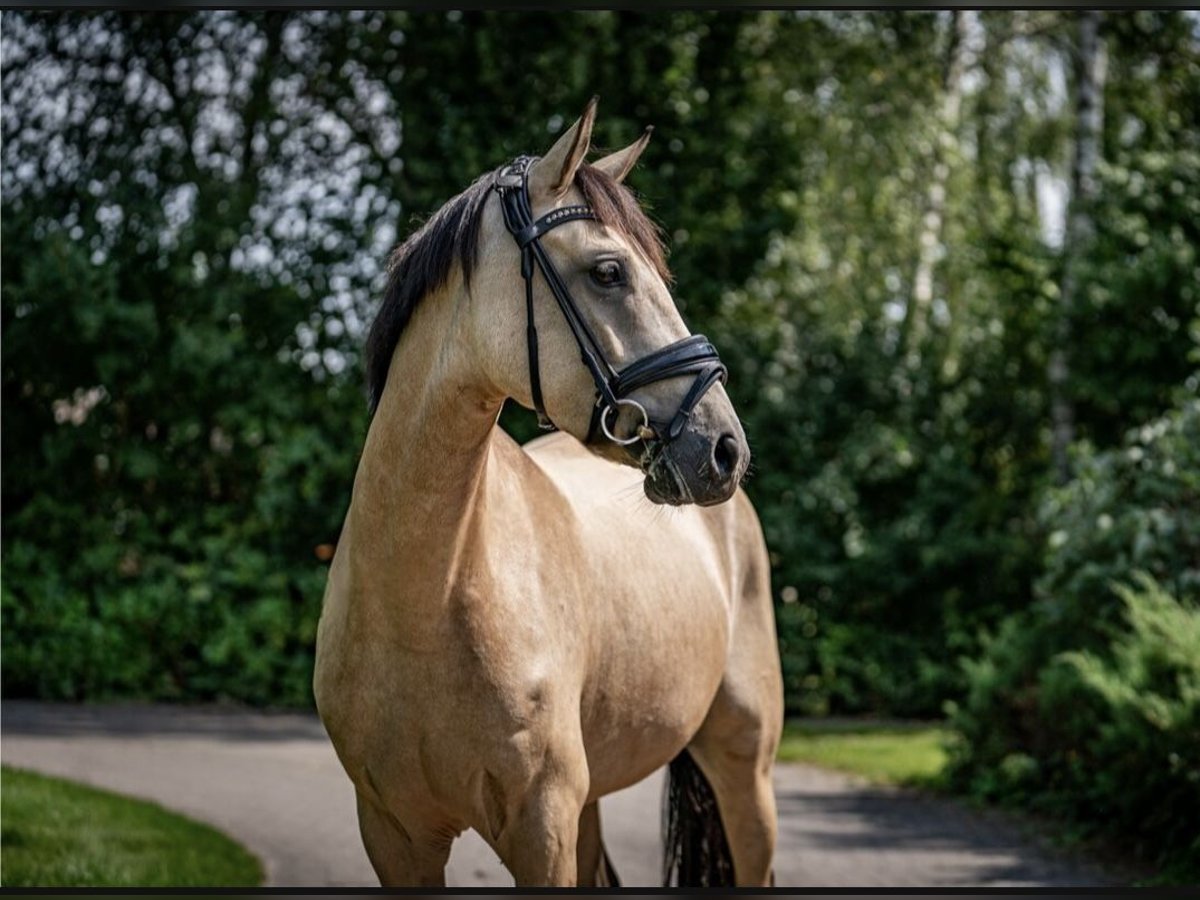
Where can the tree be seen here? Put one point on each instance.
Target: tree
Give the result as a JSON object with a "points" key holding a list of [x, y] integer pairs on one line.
{"points": [[1091, 64], [944, 145]]}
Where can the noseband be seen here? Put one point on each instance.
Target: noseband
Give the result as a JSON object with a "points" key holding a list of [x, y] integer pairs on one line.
{"points": [[692, 355]]}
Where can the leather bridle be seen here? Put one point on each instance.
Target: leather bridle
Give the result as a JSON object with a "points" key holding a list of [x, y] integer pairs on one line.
{"points": [[691, 355]]}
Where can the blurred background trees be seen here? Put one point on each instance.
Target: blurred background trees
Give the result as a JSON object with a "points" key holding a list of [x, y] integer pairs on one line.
{"points": [[921, 240]]}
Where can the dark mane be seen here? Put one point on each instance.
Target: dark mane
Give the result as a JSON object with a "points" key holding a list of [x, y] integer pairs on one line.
{"points": [[424, 262], [419, 266]]}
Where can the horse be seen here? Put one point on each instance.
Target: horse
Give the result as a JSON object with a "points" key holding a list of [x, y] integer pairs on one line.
{"points": [[511, 632]]}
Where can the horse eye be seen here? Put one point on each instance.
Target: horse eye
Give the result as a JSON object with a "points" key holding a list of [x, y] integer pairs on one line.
{"points": [[607, 273]]}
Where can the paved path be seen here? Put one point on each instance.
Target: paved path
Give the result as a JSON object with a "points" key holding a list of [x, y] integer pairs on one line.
{"points": [[272, 782]]}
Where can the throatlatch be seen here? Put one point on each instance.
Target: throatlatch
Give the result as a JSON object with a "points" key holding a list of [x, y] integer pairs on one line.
{"points": [[693, 354]]}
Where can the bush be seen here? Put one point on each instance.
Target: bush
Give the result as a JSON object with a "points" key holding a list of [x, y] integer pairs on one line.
{"points": [[161, 541], [1128, 509], [1087, 705], [1131, 717]]}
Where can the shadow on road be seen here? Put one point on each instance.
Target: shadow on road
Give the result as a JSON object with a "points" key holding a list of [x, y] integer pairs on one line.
{"points": [[230, 723], [931, 833]]}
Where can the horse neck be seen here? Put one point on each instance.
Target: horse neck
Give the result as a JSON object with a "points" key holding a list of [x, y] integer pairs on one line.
{"points": [[425, 458]]}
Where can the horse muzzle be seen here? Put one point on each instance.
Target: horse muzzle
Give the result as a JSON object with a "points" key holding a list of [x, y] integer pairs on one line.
{"points": [[696, 467]]}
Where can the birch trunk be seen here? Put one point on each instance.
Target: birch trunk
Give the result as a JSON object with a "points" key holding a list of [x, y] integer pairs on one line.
{"points": [[1091, 69], [945, 142]]}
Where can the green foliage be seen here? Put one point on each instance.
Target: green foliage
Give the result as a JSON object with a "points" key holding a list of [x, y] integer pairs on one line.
{"points": [[899, 495], [1148, 233], [60, 834], [168, 467], [892, 494], [1134, 508], [903, 753], [1134, 714], [1087, 704]]}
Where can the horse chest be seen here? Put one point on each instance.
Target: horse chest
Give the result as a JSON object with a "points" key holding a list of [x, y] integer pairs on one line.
{"points": [[513, 658]]}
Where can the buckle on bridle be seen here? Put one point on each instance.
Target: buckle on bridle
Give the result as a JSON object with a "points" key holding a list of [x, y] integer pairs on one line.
{"points": [[513, 174]]}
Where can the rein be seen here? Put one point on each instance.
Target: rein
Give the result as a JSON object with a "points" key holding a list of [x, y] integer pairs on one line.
{"points": [[693, 354]]}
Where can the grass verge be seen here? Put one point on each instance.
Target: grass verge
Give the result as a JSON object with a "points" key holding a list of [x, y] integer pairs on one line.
{"points": [[888, 753], [56, 833]]}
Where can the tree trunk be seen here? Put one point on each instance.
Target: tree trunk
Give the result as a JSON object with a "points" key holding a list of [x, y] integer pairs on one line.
{"points": [[1091, 67], [945, 141]]}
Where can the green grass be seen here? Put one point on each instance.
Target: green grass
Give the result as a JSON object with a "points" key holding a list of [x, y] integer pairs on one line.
{"points": [[56, 833], [889, 753]]}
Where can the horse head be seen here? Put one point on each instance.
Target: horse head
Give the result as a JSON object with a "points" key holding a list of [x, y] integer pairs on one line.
{"points": [[578, 322]]}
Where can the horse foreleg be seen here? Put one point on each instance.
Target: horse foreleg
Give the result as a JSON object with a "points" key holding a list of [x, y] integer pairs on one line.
{"points": [[593, 865], [403, 857], [539, 842]]}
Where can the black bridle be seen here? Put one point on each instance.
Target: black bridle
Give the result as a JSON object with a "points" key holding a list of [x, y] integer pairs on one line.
{"points": [[693, 354]]}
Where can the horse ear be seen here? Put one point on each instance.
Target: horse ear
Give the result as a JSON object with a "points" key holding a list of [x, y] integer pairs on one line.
{"points": [[617, 165], [555, 171]]}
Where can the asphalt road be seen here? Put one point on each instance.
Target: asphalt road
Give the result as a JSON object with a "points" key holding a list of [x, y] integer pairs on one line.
{"points": [[271, 781]]}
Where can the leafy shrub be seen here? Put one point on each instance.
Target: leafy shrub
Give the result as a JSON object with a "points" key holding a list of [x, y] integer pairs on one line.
{"points": [[1087, 704], [1131, 717], [898, 527], [1130, 509], [159, 541]]}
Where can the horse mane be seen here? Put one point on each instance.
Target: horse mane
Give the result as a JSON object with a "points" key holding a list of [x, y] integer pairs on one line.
{"points": [[425, 260]]}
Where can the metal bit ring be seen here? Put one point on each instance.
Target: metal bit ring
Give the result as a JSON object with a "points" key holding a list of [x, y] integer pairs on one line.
{"points": [[637, 436]]}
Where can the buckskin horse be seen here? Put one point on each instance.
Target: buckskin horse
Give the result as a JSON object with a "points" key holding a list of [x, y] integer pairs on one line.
{"points": [[510, 632]]}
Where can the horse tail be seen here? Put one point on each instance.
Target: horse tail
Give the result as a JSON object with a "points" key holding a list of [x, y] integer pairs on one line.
{"points": [[696, 852], [608, 872]]}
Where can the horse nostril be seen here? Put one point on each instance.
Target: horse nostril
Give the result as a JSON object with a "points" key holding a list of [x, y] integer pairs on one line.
{"points": [[725, 456]]}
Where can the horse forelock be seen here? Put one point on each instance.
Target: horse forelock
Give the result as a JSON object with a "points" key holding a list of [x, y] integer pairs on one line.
{"points": [[617, 207], [424, 261]]}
